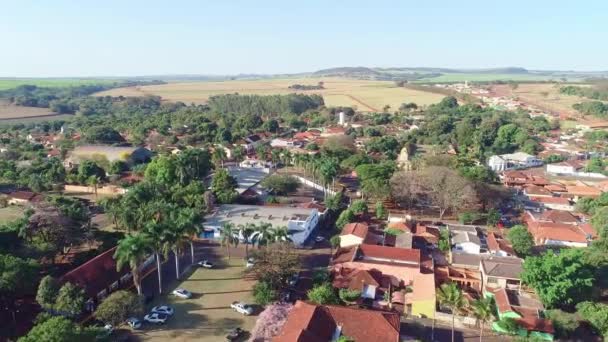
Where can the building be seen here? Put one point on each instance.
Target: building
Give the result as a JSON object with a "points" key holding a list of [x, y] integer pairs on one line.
{"points": [[308, 322], [517, 160], [568, 168], [248, 177], [501, 272], [580, 191], [353, 234], [300, 222], [130, 155], [558, 228], [555, 203], [499, 246], [464, 239]]}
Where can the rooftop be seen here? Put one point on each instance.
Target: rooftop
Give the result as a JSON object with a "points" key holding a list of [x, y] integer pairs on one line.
{"points": [[247, 177], [243, 214], [502, 267], [358, 229]]}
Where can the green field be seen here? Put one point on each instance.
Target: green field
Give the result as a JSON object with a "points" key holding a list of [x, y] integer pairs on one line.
{"points": [[8, 83], [480, 77]]}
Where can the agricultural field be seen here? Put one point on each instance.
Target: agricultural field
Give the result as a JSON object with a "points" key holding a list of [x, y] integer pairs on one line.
{"points": [[8, 83], [481, 77], [362, 94], [10, 114], [543, 95]]}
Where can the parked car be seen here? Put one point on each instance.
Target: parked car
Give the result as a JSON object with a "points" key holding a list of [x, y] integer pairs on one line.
{"points": [[250, 263], [163, 309], [319, 239], [156, 318], [205, 264], [134, 323], [293, 281], [234, 334], [242, 308], [182, 293]]}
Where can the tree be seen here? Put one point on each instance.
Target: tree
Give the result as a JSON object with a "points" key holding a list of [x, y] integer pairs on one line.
{"points": [[281, 234], [162, 170], [88, 169], [349, 296], [47, 292], [224, 186], [270, 322], [483, 310], [275, 264], [263, 293], [380, 211], [492, 217], [280, 184], [323, 294], [228, 236], [359, 207], [17, 277], [343, 338], [562, 280], [59, 328], [347, 216], [508, 325], [596, 314], [70, 300], [521, 239], [132, 251], [118, 307], [565, 323], [263, 233], [444, 244], [450, 295], [446, 189]]}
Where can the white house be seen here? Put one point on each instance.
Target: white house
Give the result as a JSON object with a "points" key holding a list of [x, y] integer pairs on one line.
{"points": [[517, 160], [464, 239], [353, 234]]}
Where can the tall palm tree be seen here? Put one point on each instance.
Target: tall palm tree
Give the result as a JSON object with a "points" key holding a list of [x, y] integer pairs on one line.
{"points": [[218, 156], [157, 234], [132, 251], [177, 239], [450, 295], [189, 220], [245, 232], [483, 309], [263, 234], [281, 234], [228, 236]]}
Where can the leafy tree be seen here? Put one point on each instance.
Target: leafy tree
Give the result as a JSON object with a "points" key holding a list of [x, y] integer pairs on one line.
{"points": [[275, 264], [444, 244], [565, 323], [359, 207], [162, 170], [560, 280], [450, 295], [224, 186], [521, 239], [349, 296], [117, 167], [492, 217], [61, 329], [281, 184], [102, 135], [70, 299], [17, 277], [483, 310], [508, 325], [132, 251], [380, 211], [47, 292], [88, 169], [347, 216], [596, 314], [320, 275], [118, 307], [334, 202], [323, 294], [263, 293]]}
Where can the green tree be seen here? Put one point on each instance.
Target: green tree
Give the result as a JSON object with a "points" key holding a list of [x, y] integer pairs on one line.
{"points": [[444, 244], [263, 234], [323, 294], [55, 329], [521, 239], [88, 169], [162, 170], [17, 277], [263, 293], [228, 236], [380, 211], [450, 295], [280, 184], [224, 186], [347, 216], [565, 323], [70, 299], [596, 314], [118, 307], [133, 251], [349, 296], [483, 310], [509, 325], [492, 217], [560, 280], [359, 207], [47, 292]]}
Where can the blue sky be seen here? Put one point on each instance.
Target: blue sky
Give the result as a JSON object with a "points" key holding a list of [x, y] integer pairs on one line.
{"points": [[127, 38]]}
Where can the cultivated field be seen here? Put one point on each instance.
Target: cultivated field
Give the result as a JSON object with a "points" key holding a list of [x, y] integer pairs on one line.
{"points": [[544, 95], [480, 77], [48, 82], [11, 114], [365, 95]]}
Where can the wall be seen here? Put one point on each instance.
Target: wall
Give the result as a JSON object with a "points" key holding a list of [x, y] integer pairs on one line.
{"points": [[102, 190], [314, 185], [350, 240], [424, 308]]}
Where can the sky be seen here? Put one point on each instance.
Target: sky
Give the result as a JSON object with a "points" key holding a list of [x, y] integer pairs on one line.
{"points": [[63, 38]]}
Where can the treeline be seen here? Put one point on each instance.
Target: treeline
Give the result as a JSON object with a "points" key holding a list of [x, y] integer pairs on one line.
{"points": [[60, 99], [598, 92], [595, 108], [307, 87], [264, 105]]}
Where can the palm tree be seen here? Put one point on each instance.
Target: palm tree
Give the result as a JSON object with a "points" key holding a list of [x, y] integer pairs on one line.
{"points": [[483, 309], [218, 156], [132, 251], [157, 234], [245, 232], [281, 234], [189, 220], [93, 181], [227, 233], [263, 234], [450, 295]]}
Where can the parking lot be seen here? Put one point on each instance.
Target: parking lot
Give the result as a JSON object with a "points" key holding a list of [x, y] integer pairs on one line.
{"points": [[207, 316]]}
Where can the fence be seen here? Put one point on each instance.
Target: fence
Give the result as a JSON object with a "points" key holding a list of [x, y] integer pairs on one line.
{"points": [[314, 185]]}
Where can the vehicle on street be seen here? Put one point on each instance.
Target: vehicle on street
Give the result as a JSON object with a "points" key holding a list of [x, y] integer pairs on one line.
{"points": [[293, 281], [242, 308], [182, 293], [205, 264], [163, 309], [156, 318], [319, 239], [234, 334], [250, 263], [134, 323]]}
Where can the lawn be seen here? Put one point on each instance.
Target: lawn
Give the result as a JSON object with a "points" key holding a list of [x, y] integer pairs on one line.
{"points": [[8, 83], [10, 213], [365, 95], [207, 316]]}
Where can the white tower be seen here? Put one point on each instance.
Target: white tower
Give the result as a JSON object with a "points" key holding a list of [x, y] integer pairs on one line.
{"points": [[341, 119]]}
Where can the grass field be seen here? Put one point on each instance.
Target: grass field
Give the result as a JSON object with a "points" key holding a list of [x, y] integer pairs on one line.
{"points": [[365, 95], [10, 213], [8, 83], [546, 96]]}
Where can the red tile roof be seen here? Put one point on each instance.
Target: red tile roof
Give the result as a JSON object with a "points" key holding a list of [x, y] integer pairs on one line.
{"points": [[582, 190], [557, 231], [392, 253], [314, 323], [496, 243], [558, 216], [358, 229], [552, 200]]}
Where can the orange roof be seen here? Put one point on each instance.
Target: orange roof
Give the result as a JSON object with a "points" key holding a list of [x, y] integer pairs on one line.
{"points": [[552, 200], [424, 286], [583, 190], [399, 225], [497, 243], [358, 229], [557, 231], [558, 216], [392, 253]]}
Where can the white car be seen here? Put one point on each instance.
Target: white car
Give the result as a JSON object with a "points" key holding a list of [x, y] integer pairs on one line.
{"points": [[156, 318], [250, 263], [205, 264], [134, 323], [163, 309], [319, 239], [182, 293], [242, 308]]}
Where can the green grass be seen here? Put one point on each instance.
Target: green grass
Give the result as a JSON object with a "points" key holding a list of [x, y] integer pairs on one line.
{"points": [[479, 77], [10, 213], [6, 83]]}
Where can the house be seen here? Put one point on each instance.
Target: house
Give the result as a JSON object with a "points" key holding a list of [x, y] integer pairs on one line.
{"points": [[353, 234], [568, 168], [579, 191], [464, 239], [404, 238], [499, 246], [247, 177], [308, 322], [286, 143], [558, 228], [525, 309], [130, 155], [333, 131], [516, 178], [534, 191], [501, 272], [371, 283], [517, 160], [300, 222], [555, 203]]}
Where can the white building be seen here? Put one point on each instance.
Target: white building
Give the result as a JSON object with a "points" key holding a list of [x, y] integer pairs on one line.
{"points": [[464, 239], [517, 160]]}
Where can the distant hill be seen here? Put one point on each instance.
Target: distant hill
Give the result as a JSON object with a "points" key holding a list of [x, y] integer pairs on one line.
{"points": [[347, 71]]}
